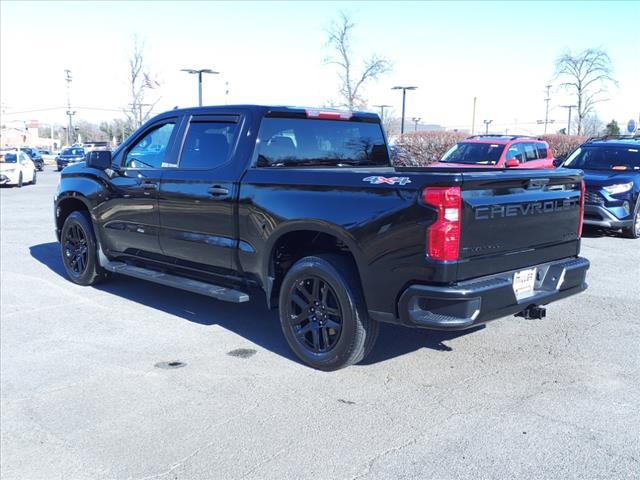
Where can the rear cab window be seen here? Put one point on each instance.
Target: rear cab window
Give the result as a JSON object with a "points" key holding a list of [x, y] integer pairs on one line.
{"points": [[310, 142]]}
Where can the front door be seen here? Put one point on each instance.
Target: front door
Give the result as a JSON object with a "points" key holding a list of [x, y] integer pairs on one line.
{"points": [[197, 197], [129, 218]]}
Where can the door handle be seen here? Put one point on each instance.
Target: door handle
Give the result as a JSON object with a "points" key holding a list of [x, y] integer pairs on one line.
{"points": [[218, 191], [149, 186]]}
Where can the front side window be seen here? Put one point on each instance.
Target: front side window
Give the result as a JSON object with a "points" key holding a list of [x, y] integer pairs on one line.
{"points": [[310, 142], [207, 144], [151, 149], [470, 153], [516, 152]]}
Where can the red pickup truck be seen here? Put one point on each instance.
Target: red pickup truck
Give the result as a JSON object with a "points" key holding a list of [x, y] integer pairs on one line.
{"points": [[499, 151]]}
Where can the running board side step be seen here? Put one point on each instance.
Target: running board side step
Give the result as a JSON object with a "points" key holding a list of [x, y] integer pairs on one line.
{"points": [[183, 283]]}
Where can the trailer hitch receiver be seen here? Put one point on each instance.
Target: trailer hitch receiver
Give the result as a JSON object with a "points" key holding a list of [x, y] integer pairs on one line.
{"points": [[533, 312]]}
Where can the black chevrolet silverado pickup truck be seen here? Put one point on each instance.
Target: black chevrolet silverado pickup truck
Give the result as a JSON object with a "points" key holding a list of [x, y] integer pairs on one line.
{"points": [[305, 206]]}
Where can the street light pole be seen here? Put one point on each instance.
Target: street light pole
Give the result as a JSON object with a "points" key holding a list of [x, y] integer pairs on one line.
{"points": [[486, 126], [68, 78], [382, 107], [404, 97], [473, 116], [546, 112], [199, 72], [416, 120], [570, 107]]}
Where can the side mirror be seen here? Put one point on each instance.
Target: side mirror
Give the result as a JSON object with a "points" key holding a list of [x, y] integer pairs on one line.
{"points": [[512, 163], [557, 162], [100, 159]]}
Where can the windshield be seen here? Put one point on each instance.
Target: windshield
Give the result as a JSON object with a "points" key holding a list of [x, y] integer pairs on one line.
{"points": [[605, 158], [72, 151], [8, 158], [474, 153]]}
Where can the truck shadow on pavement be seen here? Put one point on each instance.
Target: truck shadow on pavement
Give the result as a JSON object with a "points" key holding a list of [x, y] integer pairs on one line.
{"points": [[251, 320], [592, 231]]}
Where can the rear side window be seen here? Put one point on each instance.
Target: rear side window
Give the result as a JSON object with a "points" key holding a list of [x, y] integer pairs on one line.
{"points": [[207, 144], [311, 142], [542, 150], [530, 152]]}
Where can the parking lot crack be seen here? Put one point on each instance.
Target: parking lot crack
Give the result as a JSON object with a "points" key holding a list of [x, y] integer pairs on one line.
{"points": [[181, 463]]}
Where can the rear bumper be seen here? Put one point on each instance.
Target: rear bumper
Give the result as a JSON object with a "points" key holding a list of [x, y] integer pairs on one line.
{"points": [[600, 216], [477, 301]]}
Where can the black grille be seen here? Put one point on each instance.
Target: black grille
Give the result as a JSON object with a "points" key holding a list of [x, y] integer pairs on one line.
{"points": [[593, 197]]}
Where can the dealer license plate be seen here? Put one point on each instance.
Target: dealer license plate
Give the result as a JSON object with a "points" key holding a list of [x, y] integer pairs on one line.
{"points": [[523, 281]]}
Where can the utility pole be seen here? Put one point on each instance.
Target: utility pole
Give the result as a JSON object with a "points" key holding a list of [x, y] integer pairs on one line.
{"points": [[416, 121], [404, 96], [138, 114], [382, 107], [546, 112], [473, 118], [486, 126], [68, 78], [199, 72], [570, 107]]}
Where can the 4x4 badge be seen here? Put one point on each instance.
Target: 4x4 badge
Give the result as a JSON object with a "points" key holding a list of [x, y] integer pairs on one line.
{"points": [[387, 180]]}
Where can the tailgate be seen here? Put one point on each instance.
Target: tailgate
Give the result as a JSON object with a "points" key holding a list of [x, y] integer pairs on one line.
{"points": [[517, 218]]}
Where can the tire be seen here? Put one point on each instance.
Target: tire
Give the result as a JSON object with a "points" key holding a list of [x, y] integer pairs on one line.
{"points": [[20, 180], [79, 250], [323, 314], [634, 230], [35, 177]]}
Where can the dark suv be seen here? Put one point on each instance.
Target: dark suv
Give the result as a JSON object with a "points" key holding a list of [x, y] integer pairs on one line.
{"points": [[612, 179], [35, 157]]}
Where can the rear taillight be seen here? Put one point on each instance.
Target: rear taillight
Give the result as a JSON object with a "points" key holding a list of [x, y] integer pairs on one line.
{"points": [[443, 235], [582, 192]]}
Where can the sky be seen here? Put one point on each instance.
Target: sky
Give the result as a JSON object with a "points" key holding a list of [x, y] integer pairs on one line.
{"points": [[502, 53]]}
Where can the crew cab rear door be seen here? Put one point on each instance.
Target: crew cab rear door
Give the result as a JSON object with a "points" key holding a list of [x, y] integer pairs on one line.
{"points": [[197, 194], [514, 218]]}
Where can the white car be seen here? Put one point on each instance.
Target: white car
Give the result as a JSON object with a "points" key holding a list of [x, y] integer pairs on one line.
{"points": [[16, 168]]}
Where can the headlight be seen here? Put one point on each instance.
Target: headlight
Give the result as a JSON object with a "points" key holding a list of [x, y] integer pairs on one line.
{"points": [[618, 188]]}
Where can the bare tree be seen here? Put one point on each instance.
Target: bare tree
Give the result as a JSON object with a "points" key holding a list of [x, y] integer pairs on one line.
{"points": [[592, 125], [351, 81], [141, 81], [587, 76]]}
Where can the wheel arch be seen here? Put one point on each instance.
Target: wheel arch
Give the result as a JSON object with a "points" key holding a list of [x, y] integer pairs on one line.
{"points": [[298, 239], [67, 203]]}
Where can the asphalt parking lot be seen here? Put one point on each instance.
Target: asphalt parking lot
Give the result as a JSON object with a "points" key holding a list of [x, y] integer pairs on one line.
{"points": [[81, 397]]}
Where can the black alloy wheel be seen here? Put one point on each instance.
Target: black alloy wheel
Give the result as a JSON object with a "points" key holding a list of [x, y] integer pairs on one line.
{"points": [[323, 313], [314, 314], [76, 252], [79, 249]]}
